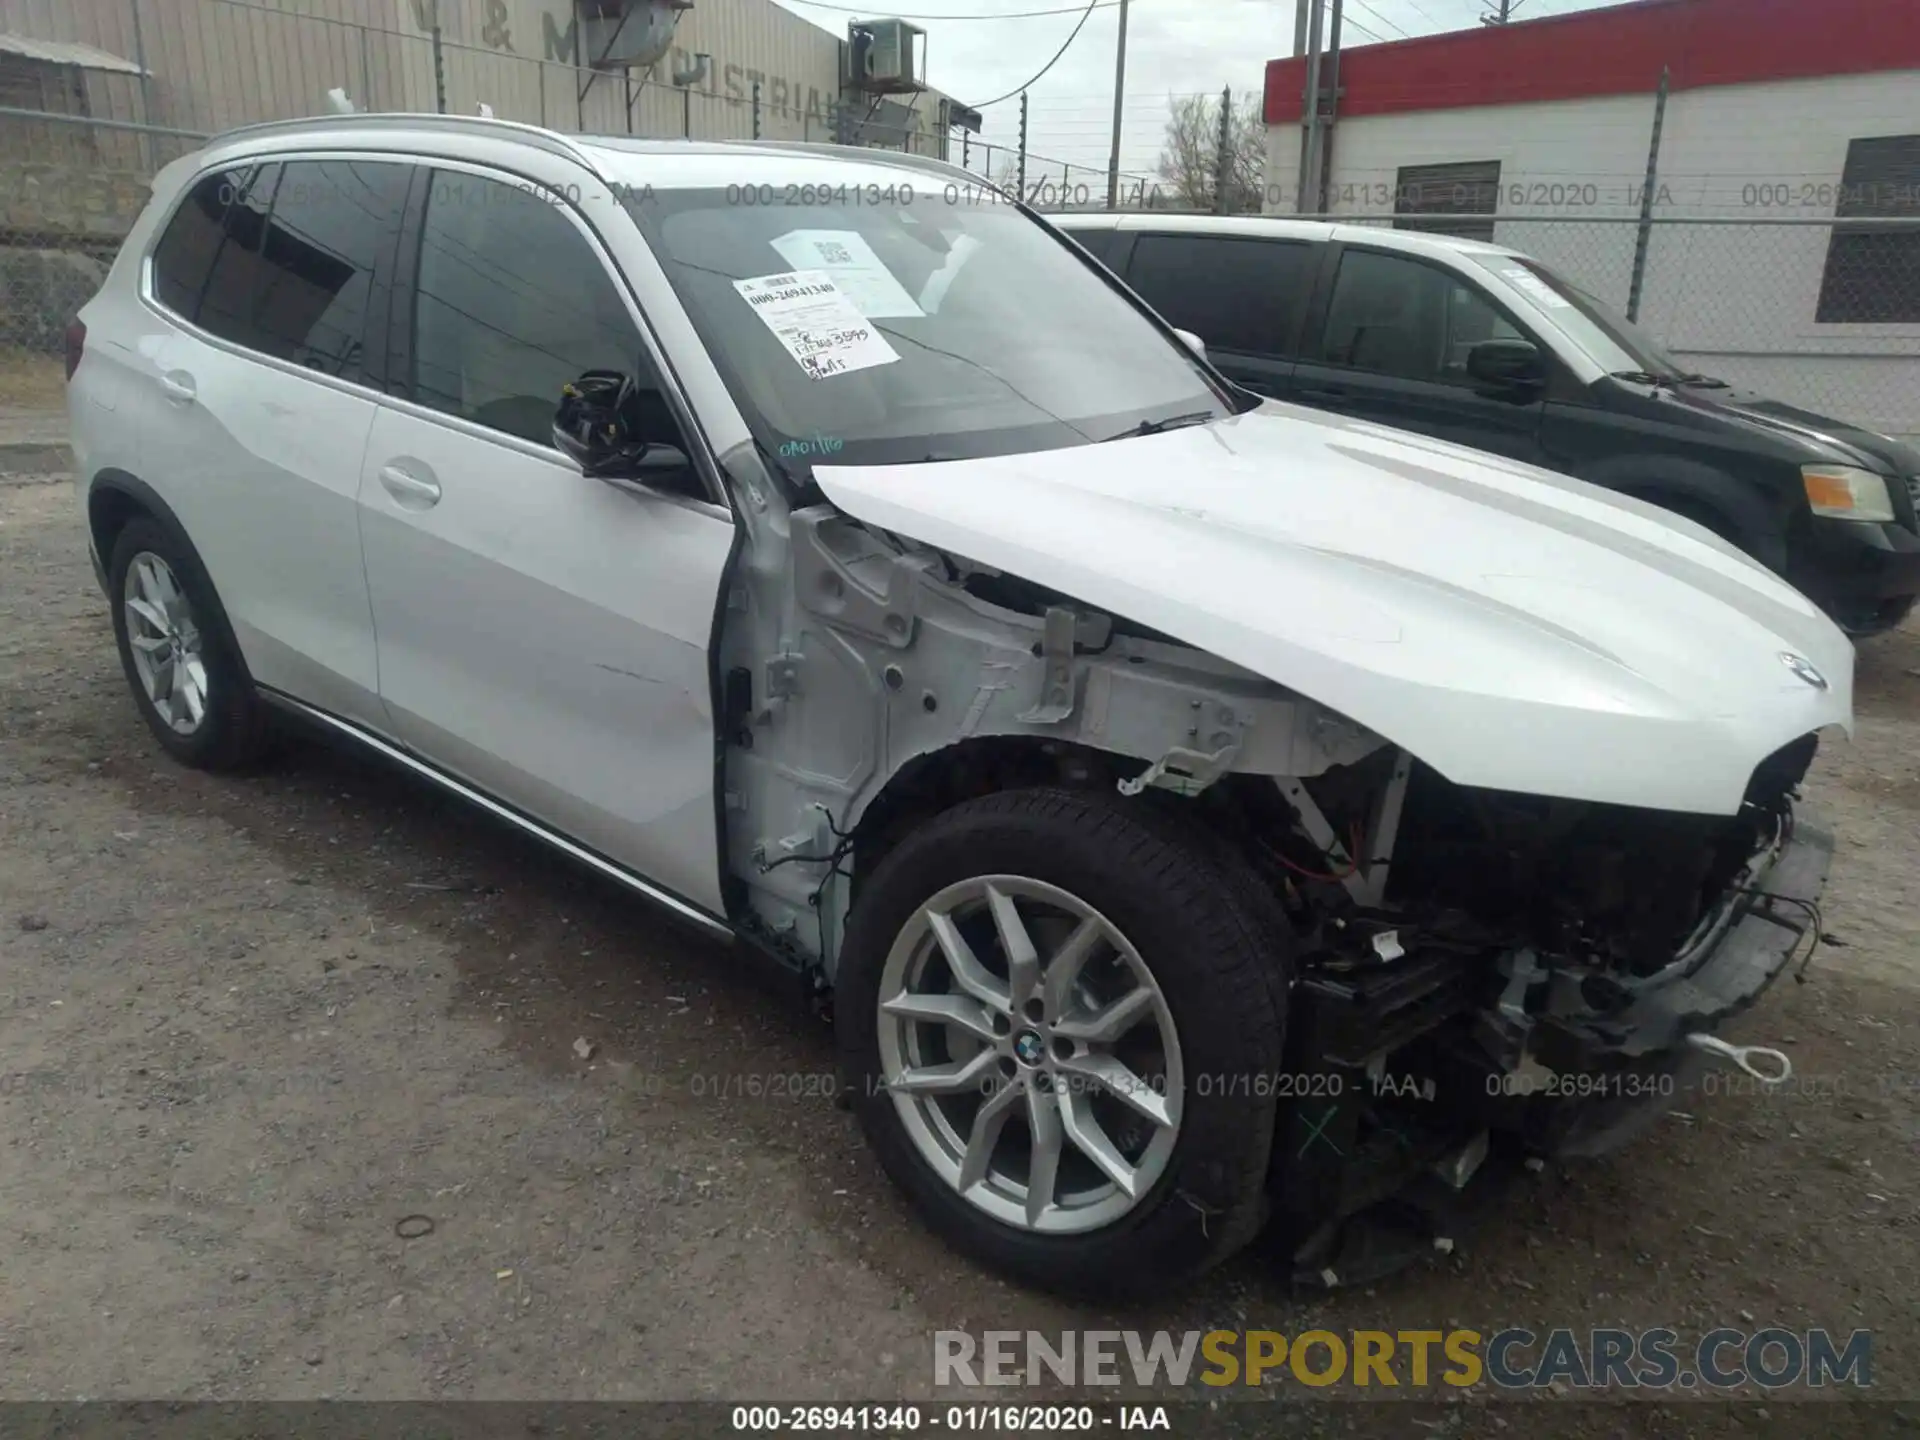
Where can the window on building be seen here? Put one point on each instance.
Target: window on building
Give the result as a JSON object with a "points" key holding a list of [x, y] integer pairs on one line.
{"points": [[1401, 317], [496, 337], [1873, 272], [1469, 188], [1237, 295]]}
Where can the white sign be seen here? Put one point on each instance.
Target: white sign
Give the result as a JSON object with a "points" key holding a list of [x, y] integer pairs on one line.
{"points": [[861, 275], [817, 324]]}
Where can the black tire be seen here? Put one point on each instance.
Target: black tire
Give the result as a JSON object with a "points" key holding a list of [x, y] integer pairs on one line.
{"points": [[1221, 965], [234, 731]]}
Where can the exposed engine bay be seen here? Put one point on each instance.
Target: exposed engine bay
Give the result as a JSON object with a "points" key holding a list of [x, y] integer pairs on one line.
{"points": [[1466, 966]]}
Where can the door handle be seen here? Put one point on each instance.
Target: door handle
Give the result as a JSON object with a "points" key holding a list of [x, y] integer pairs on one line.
{"points": [[178, 386], [1323, 392], [410, 489]]}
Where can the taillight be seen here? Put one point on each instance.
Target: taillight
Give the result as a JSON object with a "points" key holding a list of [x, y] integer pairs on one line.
{"points": [[76, 346]]}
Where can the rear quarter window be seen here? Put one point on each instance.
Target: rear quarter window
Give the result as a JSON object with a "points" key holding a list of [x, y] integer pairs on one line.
{"points": [[185, 255], [1243, 295], [1098, 243]]}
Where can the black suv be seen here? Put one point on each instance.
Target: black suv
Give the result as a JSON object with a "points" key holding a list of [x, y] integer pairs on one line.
{"points": [[1477, 344]]}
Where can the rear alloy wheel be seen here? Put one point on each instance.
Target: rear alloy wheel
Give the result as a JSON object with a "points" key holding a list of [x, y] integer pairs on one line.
{"points": [[1057, 1011], [180, 662], [164, 636]]}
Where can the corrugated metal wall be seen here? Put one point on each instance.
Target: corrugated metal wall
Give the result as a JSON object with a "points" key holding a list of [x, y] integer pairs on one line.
{"points": [[220, 63]]}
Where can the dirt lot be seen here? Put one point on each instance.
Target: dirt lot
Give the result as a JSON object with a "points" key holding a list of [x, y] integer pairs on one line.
{"points": [[248, 1025]]}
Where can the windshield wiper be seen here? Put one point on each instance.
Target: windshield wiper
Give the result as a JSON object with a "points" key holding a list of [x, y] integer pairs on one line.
{"points": [[1160, 427], [1642, 377], [1702, 382]]}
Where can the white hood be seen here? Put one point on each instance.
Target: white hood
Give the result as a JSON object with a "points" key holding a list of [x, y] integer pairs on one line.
{"points": [[1513, 628]]}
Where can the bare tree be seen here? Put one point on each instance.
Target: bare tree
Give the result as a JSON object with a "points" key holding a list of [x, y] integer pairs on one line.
{"points": [[1190, 154]]}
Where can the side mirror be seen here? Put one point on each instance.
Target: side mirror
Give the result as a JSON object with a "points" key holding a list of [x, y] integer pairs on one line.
{"points": [[1507, 365], [595, 426], [1193, 342]]}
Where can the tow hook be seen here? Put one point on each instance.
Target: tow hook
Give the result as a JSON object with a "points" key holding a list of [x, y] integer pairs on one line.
{"points": [[1742, 1057]]}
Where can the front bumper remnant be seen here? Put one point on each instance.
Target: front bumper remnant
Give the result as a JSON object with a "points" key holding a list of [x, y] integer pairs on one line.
{"points": [[1649, 1038], [1401, 1076]]}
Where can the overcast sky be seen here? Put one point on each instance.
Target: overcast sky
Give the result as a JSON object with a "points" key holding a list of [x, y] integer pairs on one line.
{"points": [[1173, 47]]}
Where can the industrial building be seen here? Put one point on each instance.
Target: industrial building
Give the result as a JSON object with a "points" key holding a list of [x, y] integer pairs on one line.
{"points": [[123, 84]]}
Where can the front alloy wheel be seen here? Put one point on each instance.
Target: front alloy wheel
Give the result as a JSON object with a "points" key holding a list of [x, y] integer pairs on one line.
{"points": [[1030, 1054], [1052, 1006]]}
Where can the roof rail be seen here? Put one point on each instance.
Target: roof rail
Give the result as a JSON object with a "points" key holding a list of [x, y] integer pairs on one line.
{"points": [[551, 141], [926, 164]]}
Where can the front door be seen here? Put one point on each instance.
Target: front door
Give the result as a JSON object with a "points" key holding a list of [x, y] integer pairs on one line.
{"points": [[541, 635], [1392, 347]]}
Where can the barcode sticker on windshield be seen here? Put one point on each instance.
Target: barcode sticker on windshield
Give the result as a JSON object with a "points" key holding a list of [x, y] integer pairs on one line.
{"points": [[1535, 288], [861, 274], [816, 323]]}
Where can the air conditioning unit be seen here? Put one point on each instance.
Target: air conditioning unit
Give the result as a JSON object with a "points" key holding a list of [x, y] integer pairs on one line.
{"points": [[885, 56], [624, 34]]}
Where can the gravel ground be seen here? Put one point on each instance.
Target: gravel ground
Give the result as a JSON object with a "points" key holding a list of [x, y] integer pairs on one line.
{"points": [[250, 1025]]}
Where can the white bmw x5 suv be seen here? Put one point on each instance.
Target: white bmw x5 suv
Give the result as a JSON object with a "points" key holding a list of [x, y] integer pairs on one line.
{"points": [[821, 545]]}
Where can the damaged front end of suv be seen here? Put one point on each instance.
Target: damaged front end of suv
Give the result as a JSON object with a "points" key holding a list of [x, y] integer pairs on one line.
{"points": [[1200, 813], [1507, 778]]}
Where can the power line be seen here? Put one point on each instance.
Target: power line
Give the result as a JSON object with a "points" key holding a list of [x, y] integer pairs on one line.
{"points": [[1382, 19], [1421, 10], [1086, 16]]}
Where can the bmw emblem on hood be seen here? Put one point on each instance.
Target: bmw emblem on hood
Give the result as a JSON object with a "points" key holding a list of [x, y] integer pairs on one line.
{"points": [[1804, 669]]}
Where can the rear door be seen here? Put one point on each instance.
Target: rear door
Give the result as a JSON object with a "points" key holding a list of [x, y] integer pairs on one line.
{"points": [[1245, 296], [543, 636], [1389, 343], [266, 288]]}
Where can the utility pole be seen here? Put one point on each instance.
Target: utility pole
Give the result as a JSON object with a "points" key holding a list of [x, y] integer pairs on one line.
{"points": [[1309, 176], [1506, 13], [1223, 156], [1323, 171], [1119, 94]]}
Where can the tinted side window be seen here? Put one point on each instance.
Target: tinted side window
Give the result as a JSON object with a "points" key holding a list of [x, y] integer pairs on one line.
{"points": [[512, 303], [1243, 295], [226, 306], [332, 223], [184, 258]]}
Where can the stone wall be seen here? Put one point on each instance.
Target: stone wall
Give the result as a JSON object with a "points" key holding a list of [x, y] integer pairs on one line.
{"points": [[48, 201]]}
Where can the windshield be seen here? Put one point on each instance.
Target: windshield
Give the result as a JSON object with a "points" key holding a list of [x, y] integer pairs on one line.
{"points": [[1603, 332], [870, 326]]}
